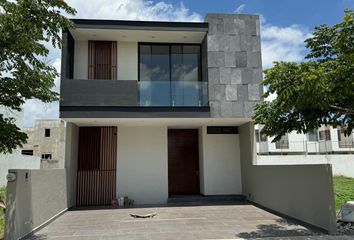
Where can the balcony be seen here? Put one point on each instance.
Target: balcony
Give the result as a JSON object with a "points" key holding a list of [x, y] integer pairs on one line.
{"points": [[173, 94], [126, 98]]}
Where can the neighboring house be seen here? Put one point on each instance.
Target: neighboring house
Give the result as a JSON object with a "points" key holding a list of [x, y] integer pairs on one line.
{"points": [[47, 141], [155, 107], [326, 145], [325, 140], [15, 160]]}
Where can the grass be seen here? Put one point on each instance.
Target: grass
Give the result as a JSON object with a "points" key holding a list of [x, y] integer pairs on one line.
{"points": [[2, 217], [343, 190]]}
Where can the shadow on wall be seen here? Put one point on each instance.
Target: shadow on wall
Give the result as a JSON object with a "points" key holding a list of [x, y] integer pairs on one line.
{"points": [[284, 228]]}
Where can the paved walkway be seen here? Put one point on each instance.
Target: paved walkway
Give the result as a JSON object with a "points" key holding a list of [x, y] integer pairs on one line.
{"points": [[188, 222]]}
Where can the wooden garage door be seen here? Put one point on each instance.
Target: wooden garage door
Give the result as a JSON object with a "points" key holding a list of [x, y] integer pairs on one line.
{"points": [[97, 161], [183, 161]]}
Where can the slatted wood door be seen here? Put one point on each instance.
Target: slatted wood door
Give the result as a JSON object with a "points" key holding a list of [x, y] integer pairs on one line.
{"points": [[183, 162], [97, 166]]}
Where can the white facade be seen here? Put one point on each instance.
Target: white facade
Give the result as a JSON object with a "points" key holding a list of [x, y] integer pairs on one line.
{"points": [[142, 164], [221, 165], [127, 60]]}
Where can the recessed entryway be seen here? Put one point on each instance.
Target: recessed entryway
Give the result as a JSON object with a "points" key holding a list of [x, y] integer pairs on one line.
{"points": [[183, 162]]}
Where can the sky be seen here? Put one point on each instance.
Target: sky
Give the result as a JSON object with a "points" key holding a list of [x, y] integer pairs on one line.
{"points": [[285, 24]]}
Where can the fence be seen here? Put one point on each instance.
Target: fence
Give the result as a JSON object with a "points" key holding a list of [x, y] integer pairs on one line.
{"points": [[305, 147]]}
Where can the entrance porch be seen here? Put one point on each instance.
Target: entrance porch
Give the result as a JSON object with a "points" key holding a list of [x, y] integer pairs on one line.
{"points": [[148, 164]]}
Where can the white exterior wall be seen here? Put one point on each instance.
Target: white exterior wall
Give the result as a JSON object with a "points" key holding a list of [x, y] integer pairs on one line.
{"points": [[81, 60], [16, 161], [221, 164], [142, 164], [342, 164], [127, 60], [35, 197]]}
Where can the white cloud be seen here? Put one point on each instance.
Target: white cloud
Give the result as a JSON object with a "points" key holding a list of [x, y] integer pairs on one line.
{"points": [[240, 8], [282, 43], [133, 10], [35, 109]]}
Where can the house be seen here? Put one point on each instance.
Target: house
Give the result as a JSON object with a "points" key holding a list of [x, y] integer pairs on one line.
{"points": [[15, 160], [154, 109], [47, 141], [325, 140]]}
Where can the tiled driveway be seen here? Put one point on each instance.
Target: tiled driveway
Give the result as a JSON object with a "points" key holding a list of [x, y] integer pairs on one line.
{"points": [[188, 222]]}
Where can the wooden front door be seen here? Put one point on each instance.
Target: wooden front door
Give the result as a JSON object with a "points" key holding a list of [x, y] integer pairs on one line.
{"points": [[183, 161], [96, 170]]}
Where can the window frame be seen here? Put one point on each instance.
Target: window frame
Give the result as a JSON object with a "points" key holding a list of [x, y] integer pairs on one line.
{"points": [[314, 133], [45, 132], [43, 155], [200, 68]]}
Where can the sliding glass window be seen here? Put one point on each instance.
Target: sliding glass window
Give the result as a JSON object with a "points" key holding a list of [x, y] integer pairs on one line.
{"points": [[170, 75]]}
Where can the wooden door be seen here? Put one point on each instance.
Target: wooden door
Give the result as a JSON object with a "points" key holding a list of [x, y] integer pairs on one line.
{"points": [[96, 170], [183, 161]]}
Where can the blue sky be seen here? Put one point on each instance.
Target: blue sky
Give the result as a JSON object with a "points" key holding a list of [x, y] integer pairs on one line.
{"points": [[279, 12], [285, 25]]}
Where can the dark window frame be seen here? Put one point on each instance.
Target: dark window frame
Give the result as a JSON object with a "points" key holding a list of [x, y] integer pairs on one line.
{"points": [[47, 132], [27, 152], [324, 135], [200, 68], [46, 156]]}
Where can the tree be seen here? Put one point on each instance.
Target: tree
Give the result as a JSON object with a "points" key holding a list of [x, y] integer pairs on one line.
{"points": [[318, 91], [26, 26]]}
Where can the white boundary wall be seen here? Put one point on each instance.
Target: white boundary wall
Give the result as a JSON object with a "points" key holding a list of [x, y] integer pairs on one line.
{"points": [[342, 164], [16, 161], [304, 192], [35, 197]]}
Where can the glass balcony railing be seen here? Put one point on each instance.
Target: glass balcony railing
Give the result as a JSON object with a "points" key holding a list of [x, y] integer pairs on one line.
{"points": [[173, 93]]}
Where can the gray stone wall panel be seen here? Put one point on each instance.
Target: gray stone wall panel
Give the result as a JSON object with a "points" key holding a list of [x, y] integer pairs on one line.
{"points": [[234, 64]]}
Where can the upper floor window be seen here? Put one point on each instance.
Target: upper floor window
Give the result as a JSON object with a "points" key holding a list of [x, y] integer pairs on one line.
{"points": [[27, 152], [312, 136], [169, 62], [283, 142], [325, 135], [345, 141], [260, 137], [102, 62], [47, 132], [170, 75], [47, 156]]}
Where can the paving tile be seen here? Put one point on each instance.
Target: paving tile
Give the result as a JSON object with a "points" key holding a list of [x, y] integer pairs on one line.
{"points": [[197, 222]]}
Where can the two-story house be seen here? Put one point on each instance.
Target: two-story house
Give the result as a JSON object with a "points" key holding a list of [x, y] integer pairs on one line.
{"points": [[159, 109], [153, 109]]}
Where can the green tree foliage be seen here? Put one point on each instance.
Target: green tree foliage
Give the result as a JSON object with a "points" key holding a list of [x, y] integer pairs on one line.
{"points": [[317, 91], [26, 26]]}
